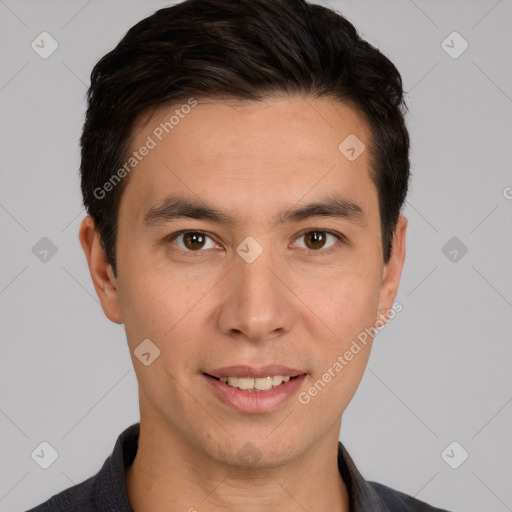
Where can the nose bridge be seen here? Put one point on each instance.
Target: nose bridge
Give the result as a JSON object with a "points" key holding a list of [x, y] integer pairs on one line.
{"points": [[256, 303], [255, 277]]}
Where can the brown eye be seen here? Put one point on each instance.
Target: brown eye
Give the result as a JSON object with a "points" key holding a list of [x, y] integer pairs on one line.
{"points": [[192, 241], [316, 240]]}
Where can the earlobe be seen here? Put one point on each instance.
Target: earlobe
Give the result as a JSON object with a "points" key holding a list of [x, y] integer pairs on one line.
{"points": [[105, 283], [393, 269]]}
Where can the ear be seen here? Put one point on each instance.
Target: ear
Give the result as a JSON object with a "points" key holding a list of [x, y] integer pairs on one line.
{"points": [[393, 270], [101, 272]]}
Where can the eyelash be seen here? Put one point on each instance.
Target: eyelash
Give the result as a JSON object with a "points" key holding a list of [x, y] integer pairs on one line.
{"points": [[339, 236]]}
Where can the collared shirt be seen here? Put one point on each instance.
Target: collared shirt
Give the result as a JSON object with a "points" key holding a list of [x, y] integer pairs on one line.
{"points": [[106, 491]]}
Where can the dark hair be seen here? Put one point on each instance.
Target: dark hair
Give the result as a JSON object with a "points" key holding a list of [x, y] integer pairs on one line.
{"points": [[240, 50]]}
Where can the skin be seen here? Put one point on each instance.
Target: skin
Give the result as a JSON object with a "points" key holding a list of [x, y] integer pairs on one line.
{"points": [[293, 305]]}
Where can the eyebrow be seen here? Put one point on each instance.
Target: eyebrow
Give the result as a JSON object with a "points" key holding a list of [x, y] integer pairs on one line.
{"points": [[176, 207]]}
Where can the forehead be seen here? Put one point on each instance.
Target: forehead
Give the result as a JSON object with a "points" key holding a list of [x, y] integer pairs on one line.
{"points": [[246, 155]]}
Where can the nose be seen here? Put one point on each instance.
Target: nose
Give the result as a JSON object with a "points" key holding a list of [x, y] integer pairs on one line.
{"points": [[257, 303]]}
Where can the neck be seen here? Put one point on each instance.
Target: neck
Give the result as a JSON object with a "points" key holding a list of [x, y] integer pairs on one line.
{"points": [[169, 473]]}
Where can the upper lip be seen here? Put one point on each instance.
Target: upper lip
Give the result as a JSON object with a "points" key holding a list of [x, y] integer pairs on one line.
{"points": [[251, 372]]}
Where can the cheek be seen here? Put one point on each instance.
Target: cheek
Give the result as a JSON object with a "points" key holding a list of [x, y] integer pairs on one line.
{"points": [[154, 298], [350, 315], [167, 311], [347, 302], [152, 310]]}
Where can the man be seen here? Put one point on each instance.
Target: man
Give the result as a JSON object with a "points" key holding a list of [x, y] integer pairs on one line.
{"points": [[244, 165]]}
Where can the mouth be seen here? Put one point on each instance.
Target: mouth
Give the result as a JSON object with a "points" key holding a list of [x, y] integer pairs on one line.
{"points": [[257, 385], [255, 391]]}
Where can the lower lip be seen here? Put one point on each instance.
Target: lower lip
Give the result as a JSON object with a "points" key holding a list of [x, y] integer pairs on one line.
{"points": [[256, 401]]}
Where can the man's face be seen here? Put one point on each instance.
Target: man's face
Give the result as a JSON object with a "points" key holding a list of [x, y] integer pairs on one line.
{"points": [[260, 289]]}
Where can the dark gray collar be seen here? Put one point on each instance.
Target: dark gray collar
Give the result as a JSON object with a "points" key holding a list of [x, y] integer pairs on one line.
{"points": [[363, 497]]}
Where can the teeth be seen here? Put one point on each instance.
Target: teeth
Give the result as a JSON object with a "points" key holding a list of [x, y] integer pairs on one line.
{"points": [[233, 381], [259, 384], [279, 379], [262, 384], [244, 383]]}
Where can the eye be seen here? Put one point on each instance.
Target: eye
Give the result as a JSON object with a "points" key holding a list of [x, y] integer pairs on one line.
{"points": [[192, 241], [316, 240], [197, 241]]}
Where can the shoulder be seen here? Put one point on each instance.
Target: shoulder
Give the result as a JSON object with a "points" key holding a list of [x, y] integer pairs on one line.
{"points": [[79, 498], [397, 501], [104, 491], [369, 495]]}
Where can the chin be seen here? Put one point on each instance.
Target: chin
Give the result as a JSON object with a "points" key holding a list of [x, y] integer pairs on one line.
{"points": [[253, 453]]}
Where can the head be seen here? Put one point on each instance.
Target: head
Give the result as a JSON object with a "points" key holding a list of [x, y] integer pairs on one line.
{"points": [[219, 136]]}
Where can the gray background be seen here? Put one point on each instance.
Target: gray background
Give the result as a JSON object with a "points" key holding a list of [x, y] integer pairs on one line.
{"points": [[439, 372]]}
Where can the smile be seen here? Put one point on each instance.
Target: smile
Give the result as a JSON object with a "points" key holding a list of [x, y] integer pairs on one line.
{"points": [[258, 384], [255, 395]]}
